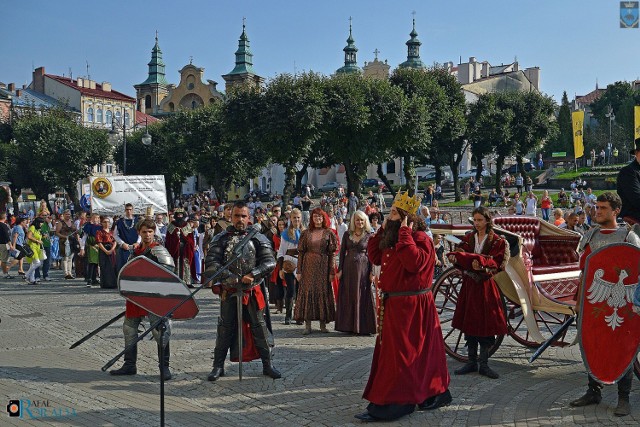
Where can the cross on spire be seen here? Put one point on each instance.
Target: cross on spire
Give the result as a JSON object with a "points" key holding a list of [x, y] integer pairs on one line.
{"points": [[350, 21], [156, 36], [244, 22], [191, 60], [376, 52]]}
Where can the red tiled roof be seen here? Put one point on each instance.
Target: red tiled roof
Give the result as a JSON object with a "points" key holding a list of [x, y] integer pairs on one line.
{"points": [[98, 92], [590, 97], [143, 118]]}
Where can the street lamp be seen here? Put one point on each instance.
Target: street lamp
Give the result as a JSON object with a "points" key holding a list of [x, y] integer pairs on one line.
{"points": [[611, 118], [122, 125]]}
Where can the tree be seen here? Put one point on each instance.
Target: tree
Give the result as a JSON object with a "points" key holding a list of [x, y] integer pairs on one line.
{"points": [[53, 150], [364, 118], [563, 138], [293, 117], [490, 127]]}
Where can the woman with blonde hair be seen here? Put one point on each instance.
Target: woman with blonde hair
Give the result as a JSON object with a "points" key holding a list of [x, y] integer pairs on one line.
{"points": [[288, 262], [355, 310]]}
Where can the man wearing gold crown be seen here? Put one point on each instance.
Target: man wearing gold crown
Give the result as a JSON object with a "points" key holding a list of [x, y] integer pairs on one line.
{"points": [[409, 365]]}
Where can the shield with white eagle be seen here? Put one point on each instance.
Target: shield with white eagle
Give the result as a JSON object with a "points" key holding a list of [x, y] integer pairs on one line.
{"points": [[152, 287], [609, 329]]}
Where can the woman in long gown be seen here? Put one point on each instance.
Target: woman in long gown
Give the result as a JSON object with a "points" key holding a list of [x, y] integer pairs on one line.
{"points": [[106, 259], [355, 311], [315, 272]]}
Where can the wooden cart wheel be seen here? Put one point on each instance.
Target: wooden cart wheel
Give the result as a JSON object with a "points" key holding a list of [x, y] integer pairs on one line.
{"points": [[547, 322], [445, 294]]}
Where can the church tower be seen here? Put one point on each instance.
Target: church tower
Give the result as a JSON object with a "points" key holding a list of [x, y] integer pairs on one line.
{"points": [[413, 51], [243, 73], [153, 90], [350, 60]]}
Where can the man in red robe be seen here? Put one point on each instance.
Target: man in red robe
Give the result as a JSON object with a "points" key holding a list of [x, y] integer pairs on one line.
{"points": [[409, 365], [181, 245]]}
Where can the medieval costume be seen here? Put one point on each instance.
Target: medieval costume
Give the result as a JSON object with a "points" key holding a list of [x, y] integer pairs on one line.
{"points": [[593, 240], [106, 261], [479, 311], [134, 316], [316, 267], [125, 233], [256, 259], [288, 263], [409, 364], [90, 245], [181, 245], [355, 310]]}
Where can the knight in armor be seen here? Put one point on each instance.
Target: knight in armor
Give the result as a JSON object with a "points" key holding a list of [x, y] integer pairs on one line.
{"points": [[255, 263], [134, 315], [607, 232], [181, 245]]}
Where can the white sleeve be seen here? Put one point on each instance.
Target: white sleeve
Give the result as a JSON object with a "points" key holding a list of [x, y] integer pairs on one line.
{"points": [[116, 236]]}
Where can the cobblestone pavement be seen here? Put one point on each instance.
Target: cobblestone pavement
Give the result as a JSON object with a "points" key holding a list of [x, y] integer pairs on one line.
{"points": [[323, 374]]}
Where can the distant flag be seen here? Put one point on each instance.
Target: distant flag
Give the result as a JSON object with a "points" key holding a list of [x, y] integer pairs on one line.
{"points": [[636, 121], [577, 119], [629, 14]]}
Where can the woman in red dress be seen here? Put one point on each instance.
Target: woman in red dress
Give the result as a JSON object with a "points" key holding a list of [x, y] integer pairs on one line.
{"points": [[479, 311]]}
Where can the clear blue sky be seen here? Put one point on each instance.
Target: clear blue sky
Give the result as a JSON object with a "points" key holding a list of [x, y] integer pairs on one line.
{"points": [[574, 42]]}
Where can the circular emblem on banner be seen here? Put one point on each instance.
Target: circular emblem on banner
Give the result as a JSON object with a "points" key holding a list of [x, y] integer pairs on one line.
{"points": [[102, 187]]}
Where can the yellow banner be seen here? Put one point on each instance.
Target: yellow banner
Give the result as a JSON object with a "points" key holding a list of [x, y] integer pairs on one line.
{"points": [[636, 121], [577, 118]]}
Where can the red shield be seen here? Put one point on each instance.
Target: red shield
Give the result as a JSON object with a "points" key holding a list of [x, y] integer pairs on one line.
{"points": [[155, 289], [609, 329]]}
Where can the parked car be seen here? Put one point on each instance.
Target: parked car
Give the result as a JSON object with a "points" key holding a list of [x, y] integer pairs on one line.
{"points": [[431, 176], [473, 172], [372, 182], [528, 167], [330, 186], [263, 196]]}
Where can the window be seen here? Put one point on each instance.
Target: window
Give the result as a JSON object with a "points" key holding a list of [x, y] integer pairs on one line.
{"points": [[99, 168], [126, 118], [90, 114], [171, 106], [109, 168], [193, 105], [99, 115], [109, 117], [118, 117], [391, 166], [147, 101]]}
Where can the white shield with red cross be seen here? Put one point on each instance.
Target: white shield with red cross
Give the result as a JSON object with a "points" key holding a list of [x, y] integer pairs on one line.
{"points": [[609, 329], [155, 289]]}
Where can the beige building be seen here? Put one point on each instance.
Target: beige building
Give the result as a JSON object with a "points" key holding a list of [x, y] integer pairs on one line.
{"points": [[192, 92]]}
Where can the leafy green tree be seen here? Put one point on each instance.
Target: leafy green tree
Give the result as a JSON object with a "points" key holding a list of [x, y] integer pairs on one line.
{"points": [[363, 119], [54, 151], [293, 123], [563, 138]]}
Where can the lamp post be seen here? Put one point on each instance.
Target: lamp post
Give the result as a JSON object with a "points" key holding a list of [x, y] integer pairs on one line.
{"points": [[122, 125], [611, 118]]}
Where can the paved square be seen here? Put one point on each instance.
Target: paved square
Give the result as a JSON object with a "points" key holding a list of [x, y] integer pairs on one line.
{"points": [[323, 374]]}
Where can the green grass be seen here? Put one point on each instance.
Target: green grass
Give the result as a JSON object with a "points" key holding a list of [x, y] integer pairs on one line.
{"points": [[572, 174]]}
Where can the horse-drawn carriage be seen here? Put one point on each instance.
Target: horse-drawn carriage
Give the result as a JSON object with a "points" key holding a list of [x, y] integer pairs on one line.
{"points": [[539, 285]]}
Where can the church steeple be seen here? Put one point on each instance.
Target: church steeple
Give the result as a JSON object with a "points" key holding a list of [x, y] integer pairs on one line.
{"points": [[244, 57], [243, 73], [156, 66], [350, 51], [413, 50]]}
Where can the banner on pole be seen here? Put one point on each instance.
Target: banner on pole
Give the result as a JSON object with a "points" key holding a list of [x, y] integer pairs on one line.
{"points": [[636, 121], [110, 194], [577, 118]]}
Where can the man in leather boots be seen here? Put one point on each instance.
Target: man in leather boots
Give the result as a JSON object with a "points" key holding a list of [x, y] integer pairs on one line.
{"points": [[605, 232], [134, 314], [255, 263]]}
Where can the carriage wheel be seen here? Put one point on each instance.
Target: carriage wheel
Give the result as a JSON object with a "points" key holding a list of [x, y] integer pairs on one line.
{"points": [[548, 323], [445, 294]]}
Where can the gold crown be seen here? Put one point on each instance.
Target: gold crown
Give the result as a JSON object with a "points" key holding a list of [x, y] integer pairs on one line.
{"points": [[406, 203]]}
